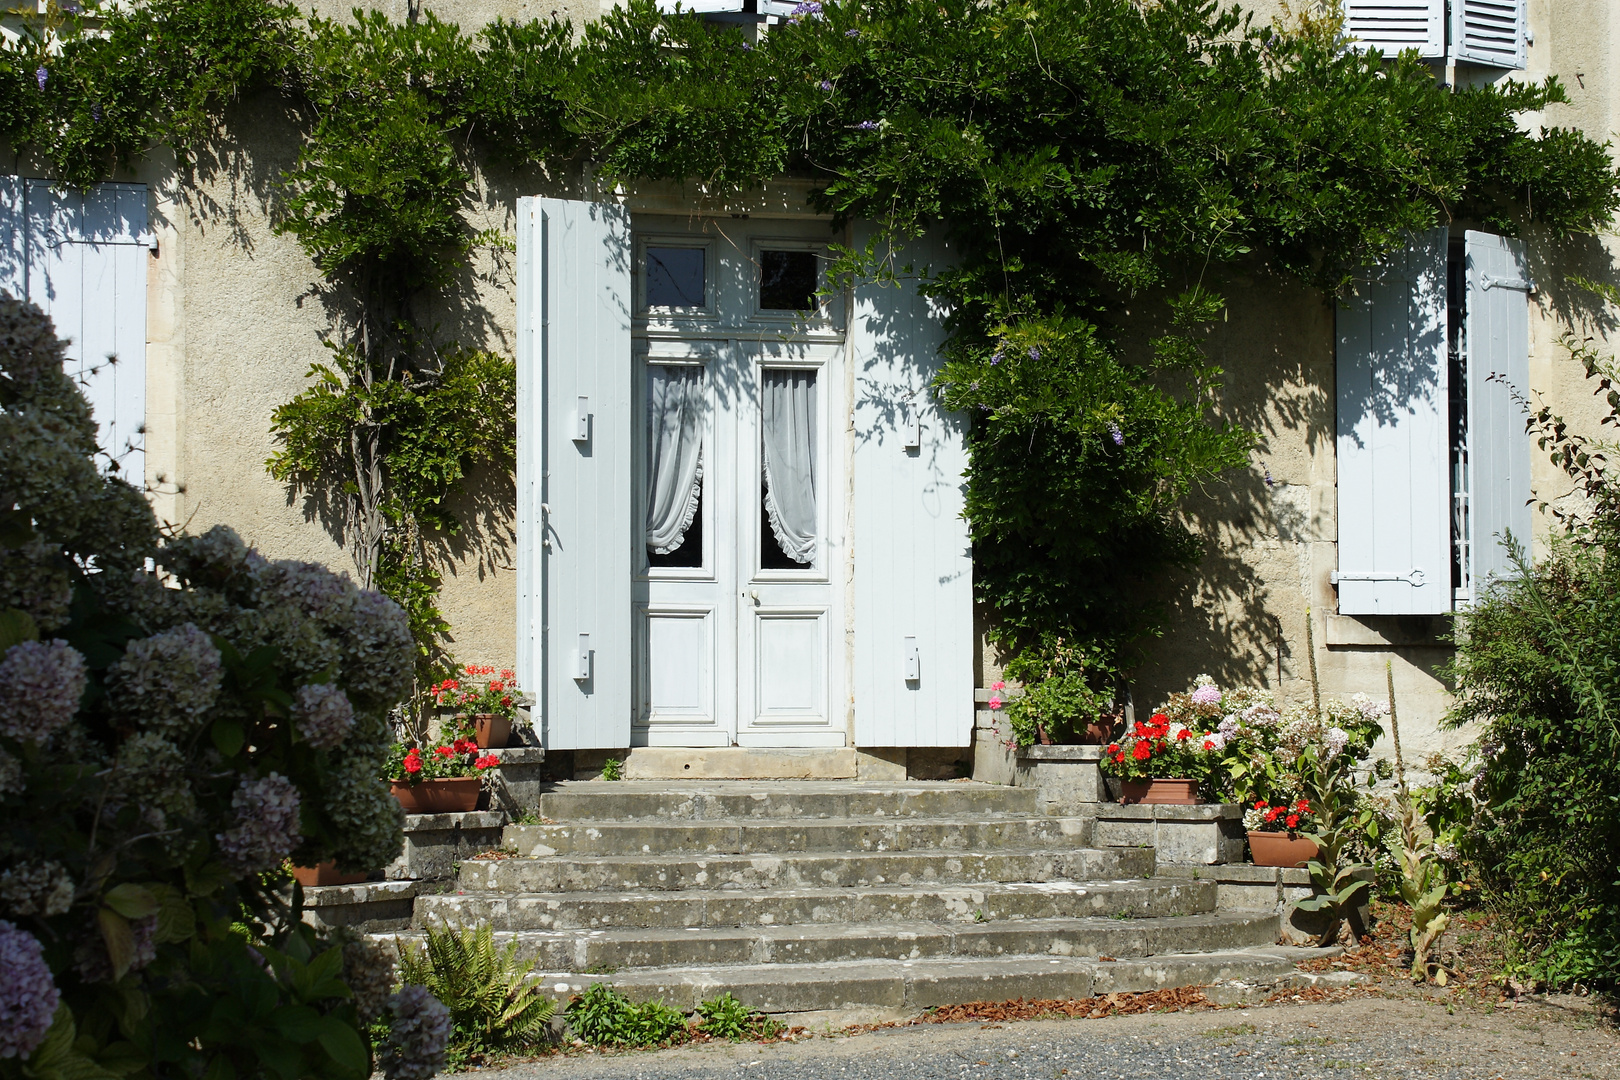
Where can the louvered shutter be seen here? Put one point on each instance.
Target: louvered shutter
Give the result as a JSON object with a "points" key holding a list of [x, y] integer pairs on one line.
{"points": [[13, 252], [574, 446], [1498, 344], [86, 255], [1393, 26], [1493, 32], [913, 679], [1394, 489]]}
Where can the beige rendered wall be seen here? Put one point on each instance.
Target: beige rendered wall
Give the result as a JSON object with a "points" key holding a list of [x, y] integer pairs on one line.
{"points": [[237, 314]]}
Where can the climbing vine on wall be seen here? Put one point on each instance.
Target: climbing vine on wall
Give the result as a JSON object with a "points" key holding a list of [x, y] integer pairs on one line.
{"points": [[1084, 154]]}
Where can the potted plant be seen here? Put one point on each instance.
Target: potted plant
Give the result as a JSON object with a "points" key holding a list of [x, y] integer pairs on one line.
{"points": [[1059, 703], [443, 779], [490, 704], [325, 873], [1159, 762], [1274, 833]]}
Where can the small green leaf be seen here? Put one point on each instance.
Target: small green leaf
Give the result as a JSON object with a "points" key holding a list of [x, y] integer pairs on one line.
{"points": [[119, 939], [16, 627], [296, 1023], [131, 901], [227, 736], [344, 1045]]}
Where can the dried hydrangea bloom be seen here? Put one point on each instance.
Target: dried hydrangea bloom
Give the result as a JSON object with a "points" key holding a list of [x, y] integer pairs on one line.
{"points": [[28, 994], [36, 888], [368, 971], [366, 820], [152, 770], [210, 558], [323, 715], [167, 681], [40, 686], [11, 774], [311, 588], [414, 1049], [266, 828], [378, 652]]}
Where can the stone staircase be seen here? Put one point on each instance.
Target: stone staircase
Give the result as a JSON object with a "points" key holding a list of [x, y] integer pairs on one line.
{"points": [[843, 899]]}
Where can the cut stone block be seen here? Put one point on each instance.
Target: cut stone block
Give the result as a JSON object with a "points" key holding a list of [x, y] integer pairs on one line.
{"points": [[370, 907], [1205, 834], [436, 843]]}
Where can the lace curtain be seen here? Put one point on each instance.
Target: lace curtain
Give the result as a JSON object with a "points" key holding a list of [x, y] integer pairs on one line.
{"points": [[790, 461], [674, 453]]}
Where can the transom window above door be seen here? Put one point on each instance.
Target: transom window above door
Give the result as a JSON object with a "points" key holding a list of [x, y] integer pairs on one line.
{"points": [[735, 275]]}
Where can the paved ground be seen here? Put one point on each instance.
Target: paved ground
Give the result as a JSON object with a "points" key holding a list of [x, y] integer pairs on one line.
{"points": [[1368, 1037]]}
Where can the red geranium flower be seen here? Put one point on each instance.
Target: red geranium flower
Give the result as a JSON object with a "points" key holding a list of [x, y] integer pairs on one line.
{"points": [[443, 751], [1141, 752], [1293, 821], [1261, 804], [1274, 813], [488, 761], [1209, 745], [1184, 735]]}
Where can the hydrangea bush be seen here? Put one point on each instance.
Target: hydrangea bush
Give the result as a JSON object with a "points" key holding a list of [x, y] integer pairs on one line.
{"points": [[178, 717]]}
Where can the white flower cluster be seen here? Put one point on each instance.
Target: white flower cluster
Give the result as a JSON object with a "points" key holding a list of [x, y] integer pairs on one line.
{"points": [[1206, 692], [1262, 715], [40, 686], [28, 994], [36, 888], [369, 973], [1333, 742], [1214, 741], [323, 715], [1369, 708], [266, 828], [1254, 819], [414, 1049], [167, 681]]}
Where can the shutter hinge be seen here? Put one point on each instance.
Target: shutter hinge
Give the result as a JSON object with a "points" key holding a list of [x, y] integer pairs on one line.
{"points": [[1491, 281], [1413, 578]]}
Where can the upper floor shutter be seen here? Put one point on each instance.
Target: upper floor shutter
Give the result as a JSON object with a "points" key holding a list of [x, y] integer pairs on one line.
{"points": [[1394, 490], [1393, 26], [1498, 346], [913, 677], [1493, 32], [574, 447]]}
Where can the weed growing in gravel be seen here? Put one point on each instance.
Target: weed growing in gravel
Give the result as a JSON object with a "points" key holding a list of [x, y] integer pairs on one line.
{"points": [[725, 1017], [604, 1017], [1231, 1032], [613, 769]]}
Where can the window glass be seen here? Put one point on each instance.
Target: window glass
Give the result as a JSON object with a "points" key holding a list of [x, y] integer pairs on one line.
{"points": [[787, 281], [788, 429], [675, 277]]}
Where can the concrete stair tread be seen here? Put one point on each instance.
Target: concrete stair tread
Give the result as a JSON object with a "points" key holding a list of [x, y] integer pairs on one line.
{"points": [[868, 987], [584, 950], [666, 800]]}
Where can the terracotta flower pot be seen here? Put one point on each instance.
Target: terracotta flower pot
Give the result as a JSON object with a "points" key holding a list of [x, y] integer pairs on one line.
{"points": [[1163, 792], [325, 873], [491, 730], [1281, 849], [451, 795]]}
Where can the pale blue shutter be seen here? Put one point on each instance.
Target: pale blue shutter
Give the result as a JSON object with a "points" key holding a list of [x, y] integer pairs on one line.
{"points": [[574, 445], [1498, 351], [1393, 26], [1493, 32], [1394, 489], [913, 679], [13, 251], [86, 255]]}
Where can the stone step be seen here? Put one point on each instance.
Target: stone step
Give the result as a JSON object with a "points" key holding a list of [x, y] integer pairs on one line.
{"points": [[1137, 898], [725, 800], [750, 836], [875, 989], [569, 873], [367, 906], [820, 943]]}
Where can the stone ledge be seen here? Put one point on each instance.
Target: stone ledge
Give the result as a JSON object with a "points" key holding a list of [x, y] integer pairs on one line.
{"points": [[1168, 812], [364, 892], [1088, 755], [519, 755], [474, 819], [371, 907], [1238, 873]]}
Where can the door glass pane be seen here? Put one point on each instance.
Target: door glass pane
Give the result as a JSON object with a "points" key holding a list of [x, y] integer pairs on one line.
{"points": [[788, 415], [675, 277], [787, 281], [675, 406]]}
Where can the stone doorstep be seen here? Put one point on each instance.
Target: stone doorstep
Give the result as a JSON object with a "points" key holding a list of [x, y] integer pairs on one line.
{"points": [[370, 906], [1091, 937], [872, 986]]}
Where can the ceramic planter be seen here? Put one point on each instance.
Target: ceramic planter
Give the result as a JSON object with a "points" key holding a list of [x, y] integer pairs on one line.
{"points": [[491, 730], [1163, 792], [325, 873], [1281, 849], [452, 795]]}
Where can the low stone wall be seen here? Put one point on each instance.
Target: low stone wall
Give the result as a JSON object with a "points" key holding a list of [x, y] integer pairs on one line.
{"points": [[519, 781], [1246, 887], [435, 843]]}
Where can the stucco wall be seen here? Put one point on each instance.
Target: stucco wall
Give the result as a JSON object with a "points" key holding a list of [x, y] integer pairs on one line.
{"points": [[237, 315]]}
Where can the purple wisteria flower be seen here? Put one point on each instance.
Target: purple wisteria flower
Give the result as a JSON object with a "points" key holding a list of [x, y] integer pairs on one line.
{"points": [[811, 7], [995, 357], [1034, 352], [1116, 434], [866, 125], [28, 994], [852, 33], [826, 85], [41, 75], [1269, 481]]}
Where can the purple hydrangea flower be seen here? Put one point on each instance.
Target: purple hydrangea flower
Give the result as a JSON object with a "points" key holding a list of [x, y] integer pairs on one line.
{"points": [[414, 1049], [1206, 694], [40, 686], [1116, 434], [28, 994], [41, 75], [266, 825]]}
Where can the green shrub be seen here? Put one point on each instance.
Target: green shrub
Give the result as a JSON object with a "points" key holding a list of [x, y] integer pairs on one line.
{"points": [[604, 1017], [492, 1005]]}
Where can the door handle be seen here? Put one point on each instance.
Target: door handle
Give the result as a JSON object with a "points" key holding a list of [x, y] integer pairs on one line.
{"points": [[753, 594]]}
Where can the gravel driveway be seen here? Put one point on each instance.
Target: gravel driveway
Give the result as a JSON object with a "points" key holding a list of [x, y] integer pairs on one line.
{"points": [[1366, 1037]]}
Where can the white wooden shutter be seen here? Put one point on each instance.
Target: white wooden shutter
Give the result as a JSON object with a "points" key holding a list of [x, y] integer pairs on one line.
{"points": [[1393, 442], [86, 256], [913, 682], [574, 445], [1498, 344], [1393, 26], [1493, 32]]}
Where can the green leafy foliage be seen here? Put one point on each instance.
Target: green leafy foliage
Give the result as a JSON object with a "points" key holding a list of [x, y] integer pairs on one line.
{"points": [[725, 1017], [492, 1004], [604, 1017]]}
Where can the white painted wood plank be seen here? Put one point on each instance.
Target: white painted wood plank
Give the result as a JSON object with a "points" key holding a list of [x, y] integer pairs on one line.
{"points": [[1498, 341], [1394, 488], [913, 561], [581, 253], [530, 432], [13, 254], [1393, 26]]}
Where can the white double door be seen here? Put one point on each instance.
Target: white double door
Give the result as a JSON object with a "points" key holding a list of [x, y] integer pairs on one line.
{"points": [[740, 485]]}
